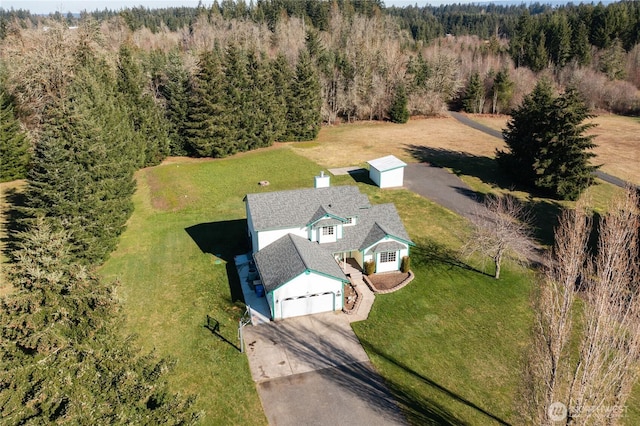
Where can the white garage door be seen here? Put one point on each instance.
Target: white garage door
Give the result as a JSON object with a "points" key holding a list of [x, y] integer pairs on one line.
{"points": [[306, 305]]}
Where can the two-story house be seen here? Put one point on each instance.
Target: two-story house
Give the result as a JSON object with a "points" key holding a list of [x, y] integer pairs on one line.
{"points": [[299, 237]]}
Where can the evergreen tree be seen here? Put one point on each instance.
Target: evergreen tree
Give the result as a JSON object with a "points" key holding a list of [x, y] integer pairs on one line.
{"points": [[146, 117], [14, 146], [281, 77], [263, 111], [207, 127], [502, 91], [560, 39], [613, 61], [546, 144], [61, 352], [398, 111], [175, 90], [473, 101], [304, 111], [82, 169], [237, 100], [580, 47]]}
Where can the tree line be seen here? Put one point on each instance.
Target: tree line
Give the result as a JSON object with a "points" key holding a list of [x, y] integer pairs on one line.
{"points": [[60, 348]]}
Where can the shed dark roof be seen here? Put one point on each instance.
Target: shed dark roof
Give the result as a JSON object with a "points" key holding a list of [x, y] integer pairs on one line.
{"points": [[290, 256], [300, 207]]}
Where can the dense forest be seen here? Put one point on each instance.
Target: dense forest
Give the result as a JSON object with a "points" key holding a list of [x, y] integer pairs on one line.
{"points": [[87, 100]]}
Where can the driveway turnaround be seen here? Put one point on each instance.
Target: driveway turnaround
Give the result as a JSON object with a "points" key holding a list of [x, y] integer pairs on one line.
{"points": [[312, 370], [443, 187]]}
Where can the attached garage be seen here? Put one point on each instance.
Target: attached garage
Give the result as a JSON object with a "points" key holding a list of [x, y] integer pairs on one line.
{"points": [[307, 305], [300, 278]]}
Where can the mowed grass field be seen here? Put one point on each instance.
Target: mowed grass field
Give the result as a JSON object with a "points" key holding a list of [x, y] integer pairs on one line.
{"points": [[449, 345], [617, 137]]}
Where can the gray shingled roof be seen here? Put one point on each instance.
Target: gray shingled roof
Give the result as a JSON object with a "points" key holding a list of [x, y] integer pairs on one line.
{"points": [[372, 225], [290, 256], [284, 209], [385, 246]]}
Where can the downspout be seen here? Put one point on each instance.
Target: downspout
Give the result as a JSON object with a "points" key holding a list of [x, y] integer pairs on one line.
{"points": [[273, 304]]}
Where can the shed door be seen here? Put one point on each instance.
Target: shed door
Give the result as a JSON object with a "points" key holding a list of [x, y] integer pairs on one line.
{"points": [[307, 305]]}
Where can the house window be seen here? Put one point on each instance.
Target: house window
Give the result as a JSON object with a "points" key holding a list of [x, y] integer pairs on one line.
{"points": [[389, 256], [349, 221], [327, 230]]}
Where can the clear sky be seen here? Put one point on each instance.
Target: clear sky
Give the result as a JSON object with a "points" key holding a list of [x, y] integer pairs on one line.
{"points": [[75, 6]]}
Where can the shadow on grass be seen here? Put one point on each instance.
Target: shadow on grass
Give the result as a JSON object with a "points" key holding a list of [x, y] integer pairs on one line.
{"points": [[430, 254], [393, 398], [544, 211], [225, 240], [13, 217], [462, 163], [361, 176], [444, 416], [213, 326]]}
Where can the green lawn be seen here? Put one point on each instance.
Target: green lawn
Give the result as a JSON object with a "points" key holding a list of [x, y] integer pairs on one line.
{"points": [[170, 278], [449, 345]]}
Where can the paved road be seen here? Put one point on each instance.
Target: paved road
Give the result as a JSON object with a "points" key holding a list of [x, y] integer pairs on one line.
{"points": [[495, 133], [312, 370]]}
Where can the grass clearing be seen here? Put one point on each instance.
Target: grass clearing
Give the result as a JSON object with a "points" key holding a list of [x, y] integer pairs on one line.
{"points": [[170, 279], [354, 144]]}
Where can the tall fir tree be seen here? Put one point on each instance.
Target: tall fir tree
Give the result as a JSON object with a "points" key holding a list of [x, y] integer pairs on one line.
{"points": [[502, 91], [14, 145], [580, 46], [282, 77], [83, 164], [473, 101], [175, 90], [146, 116], [546, 145], [398, 111], [304, 111], [237, 100], [61, 351], [262, 115], [207, 127]]}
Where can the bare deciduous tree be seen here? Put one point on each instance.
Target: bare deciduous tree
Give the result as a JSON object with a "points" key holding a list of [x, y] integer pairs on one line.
{"points": [[594, 385], [607, 365], [501, 230], [554, 320]]}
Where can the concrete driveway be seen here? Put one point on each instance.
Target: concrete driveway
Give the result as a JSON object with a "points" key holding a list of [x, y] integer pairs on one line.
{"points": [[312, 370]]}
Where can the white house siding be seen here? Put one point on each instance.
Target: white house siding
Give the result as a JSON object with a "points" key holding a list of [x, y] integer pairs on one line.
{"points": [[337, 231], [392, 178], [252, 232], [264, 238], [308, 293], [386, 266]]}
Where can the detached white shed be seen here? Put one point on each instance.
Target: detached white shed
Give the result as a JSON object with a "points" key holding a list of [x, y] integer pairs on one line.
{"points": [[387, 172]]}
